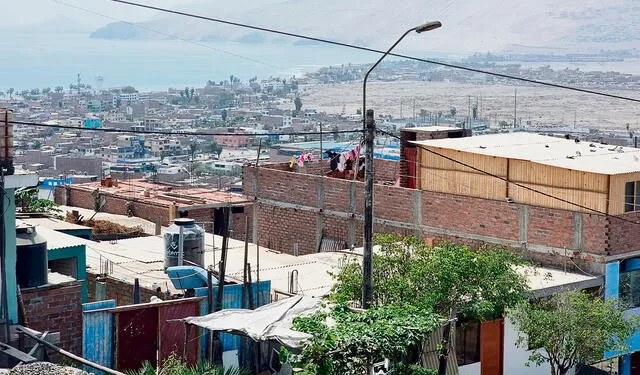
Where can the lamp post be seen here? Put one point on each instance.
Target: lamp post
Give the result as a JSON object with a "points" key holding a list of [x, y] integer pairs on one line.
{"points": [[368, 124]]}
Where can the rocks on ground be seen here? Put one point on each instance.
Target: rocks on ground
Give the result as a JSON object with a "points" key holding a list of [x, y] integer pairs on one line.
{"points": [[45, 368]]}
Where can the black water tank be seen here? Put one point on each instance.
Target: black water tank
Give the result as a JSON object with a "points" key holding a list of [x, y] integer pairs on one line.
{"points": [[32, 265]]}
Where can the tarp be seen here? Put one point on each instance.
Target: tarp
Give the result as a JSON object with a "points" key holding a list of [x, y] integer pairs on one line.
{"points": [[268, 322]]}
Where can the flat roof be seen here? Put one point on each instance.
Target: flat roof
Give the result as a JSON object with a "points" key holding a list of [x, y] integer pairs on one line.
{"points": [[143, 258], [182, 196], [54, 224], [553, 151], [435, 128], [55, 240]]}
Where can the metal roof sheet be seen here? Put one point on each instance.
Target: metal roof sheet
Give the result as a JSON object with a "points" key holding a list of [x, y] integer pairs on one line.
{"points": [[553, 151]]}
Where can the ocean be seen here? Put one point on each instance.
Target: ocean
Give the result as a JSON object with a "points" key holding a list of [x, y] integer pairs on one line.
{"points": [[38, 60]]}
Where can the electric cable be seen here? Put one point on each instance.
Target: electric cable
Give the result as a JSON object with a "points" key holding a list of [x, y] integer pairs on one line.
{"points": [[186, 133], [167, 34], [342, 44], [514, 183]]}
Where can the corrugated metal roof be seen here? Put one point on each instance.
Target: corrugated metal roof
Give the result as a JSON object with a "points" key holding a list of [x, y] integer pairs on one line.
{"points": [[59, 240], [558, 152]]}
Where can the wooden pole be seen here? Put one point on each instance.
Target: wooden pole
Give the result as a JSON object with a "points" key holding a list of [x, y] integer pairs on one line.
{"points": [[209, 311], [70, 355], [258, 297], [250, 287], [246, 261], [136, 291]]}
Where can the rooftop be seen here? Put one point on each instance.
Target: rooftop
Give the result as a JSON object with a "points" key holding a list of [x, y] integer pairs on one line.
{"points": [[54, 224], [143, 258], [164, 194], [435, 128], [547, 150]]}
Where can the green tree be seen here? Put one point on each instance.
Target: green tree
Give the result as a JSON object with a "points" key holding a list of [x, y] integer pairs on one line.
{"points": [[35, 91], [449, 279], [59, 89], [46, 90], [571, 328], [129, 90], [10, 91], [298, 103], [352, 342]]}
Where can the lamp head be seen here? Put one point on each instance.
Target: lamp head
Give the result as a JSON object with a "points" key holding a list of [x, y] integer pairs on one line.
{"points": [[428, 26]]}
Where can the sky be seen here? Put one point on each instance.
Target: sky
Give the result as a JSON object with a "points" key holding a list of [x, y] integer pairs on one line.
{"points": [[25, 14]]}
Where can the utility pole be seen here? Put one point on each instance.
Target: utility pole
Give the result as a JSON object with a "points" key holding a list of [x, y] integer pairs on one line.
{"points": [[321, 151], [367, 272]]}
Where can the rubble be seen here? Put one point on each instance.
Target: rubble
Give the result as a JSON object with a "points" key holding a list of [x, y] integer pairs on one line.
{"points": [[45, 368]]}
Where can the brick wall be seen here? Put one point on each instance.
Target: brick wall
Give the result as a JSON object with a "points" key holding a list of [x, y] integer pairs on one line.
{"points": [[296, 208], [73, 196], [115, 205], [57, 309], [621, 233], [118, 290]]}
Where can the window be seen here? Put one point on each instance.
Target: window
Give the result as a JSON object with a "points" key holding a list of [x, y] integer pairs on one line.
{"points": [[468, 343], [630, 288], [632, 196]]}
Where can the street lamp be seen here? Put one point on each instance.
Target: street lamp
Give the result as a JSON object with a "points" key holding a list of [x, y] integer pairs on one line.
{"points": [[369, 128]]}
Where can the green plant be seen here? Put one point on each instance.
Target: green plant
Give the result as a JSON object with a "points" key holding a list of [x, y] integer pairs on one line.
{"points": [[347, 343], [27, 199], [174, 365], [571, 328], [448, 279]]}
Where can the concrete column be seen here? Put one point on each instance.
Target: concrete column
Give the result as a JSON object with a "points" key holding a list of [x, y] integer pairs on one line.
{"points": [[524, 223], [319, 214], [577, 231], [417, 211], [352, 209]]}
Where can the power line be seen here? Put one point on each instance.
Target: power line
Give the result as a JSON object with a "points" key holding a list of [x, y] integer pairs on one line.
{"points": [[513, 183], [328, 41], [158, 132], [165, 34]]}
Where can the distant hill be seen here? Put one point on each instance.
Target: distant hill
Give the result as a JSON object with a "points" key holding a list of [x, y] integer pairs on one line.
{"points": [[468, 26]]}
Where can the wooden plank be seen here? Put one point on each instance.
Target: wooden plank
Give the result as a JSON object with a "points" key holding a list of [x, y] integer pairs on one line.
{"points": [[97, 332], [17, 354], [492, 347]]}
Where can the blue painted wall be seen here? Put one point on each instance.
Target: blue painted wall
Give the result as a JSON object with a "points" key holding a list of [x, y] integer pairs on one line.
{"points": [[97, 333], [232, 299], [80, 253], [9, 222], [612, 291]]}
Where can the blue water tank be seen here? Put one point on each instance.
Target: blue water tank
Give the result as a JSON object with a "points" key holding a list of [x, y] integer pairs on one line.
{"points": [[189, 277]]}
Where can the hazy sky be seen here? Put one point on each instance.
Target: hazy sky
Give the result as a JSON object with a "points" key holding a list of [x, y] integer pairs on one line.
{"points": [[21, 14]]}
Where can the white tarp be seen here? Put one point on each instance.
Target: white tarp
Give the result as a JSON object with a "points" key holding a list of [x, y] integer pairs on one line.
{"points": [[268, 322]]}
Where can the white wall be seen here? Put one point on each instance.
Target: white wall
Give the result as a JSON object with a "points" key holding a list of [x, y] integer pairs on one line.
{"points": [[515, 358], [472, 369]]}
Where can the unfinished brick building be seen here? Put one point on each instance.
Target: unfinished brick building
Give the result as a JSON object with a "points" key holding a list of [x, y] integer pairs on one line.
{"points": [[298, 208], [159, 203]]}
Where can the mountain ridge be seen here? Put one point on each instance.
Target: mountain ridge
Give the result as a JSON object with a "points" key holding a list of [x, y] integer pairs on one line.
{"points": [[573, 25]]}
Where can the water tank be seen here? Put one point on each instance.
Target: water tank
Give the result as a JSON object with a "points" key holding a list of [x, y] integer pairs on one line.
{"points": [[32, 263], [193, 243]]}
